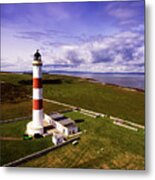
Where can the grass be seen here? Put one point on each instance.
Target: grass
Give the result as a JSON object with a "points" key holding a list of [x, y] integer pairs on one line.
{"points": [[15, 129], [103, 145], [106, 99], [122, 148], [21, 109], [15, 93], [12, 150]]}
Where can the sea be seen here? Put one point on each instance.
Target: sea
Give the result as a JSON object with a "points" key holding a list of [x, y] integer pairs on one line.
{"points": [[125, 80]]}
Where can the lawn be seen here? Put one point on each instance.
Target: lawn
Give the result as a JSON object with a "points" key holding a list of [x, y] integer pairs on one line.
{"points": [[21, 109], [111, 100], [15, 149], [12, 150], [102, 145], [106, 99]]}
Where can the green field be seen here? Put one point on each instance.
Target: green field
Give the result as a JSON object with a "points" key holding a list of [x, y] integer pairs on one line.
{"points": [[21, 109], [111, 100], [14, 149], [101, 145]]}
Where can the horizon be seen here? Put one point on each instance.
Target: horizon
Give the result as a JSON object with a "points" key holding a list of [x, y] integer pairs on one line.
{"points": [[90, 37], [78, 72]]}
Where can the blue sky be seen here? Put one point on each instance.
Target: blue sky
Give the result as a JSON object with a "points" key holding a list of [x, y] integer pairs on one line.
{"points": [[84, 36]]}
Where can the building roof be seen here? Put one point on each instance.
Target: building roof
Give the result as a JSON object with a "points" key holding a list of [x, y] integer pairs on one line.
{"points": [[66, 121], [58, 135], [63, 120], [70, 125], [57, 116]]}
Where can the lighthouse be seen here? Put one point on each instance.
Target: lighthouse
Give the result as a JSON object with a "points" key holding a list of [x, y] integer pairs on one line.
{"points": [[41, 123], [36, 125]]}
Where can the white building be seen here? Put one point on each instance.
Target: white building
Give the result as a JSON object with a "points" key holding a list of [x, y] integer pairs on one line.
{"points": [[62, 124], [58, 138]]}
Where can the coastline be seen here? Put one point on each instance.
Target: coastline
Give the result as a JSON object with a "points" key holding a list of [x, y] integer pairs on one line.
{"points": [[115, 85], [112, 79], [92, 80]]}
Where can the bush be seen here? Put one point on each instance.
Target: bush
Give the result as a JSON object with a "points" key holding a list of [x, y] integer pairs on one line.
{"points": [[27, 137], [79, 120], [37, 136]]}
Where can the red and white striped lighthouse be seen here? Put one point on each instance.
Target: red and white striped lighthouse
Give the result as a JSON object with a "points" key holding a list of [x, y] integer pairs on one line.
{"points": [[36, 125], [37, 91]]}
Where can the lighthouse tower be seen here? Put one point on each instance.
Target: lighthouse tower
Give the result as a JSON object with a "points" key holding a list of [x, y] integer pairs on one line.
{"points": [[36, 125]]}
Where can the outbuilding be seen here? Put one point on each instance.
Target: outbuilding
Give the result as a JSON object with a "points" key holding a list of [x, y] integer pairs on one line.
{"points": [[62, 124], [58, 138]]}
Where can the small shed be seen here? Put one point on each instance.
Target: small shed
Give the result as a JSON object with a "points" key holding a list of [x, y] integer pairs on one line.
{"points": [[58, 138], [63, 124]]}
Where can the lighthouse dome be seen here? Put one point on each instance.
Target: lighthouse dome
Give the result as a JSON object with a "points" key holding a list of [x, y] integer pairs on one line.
{"points": [[37, 56]]}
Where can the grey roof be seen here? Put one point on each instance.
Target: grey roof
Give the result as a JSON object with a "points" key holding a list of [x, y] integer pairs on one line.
{"points": [[62, 119], [56, 116], [71, 125], [66, 121]]}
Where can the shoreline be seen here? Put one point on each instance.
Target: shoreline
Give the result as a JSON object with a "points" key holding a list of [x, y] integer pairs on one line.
{"points": [[103, 83], [115, 85], [91, 80]]}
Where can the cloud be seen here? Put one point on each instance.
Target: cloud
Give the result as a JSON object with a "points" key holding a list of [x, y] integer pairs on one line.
{"points": [[76, 41], [48, 34], [74, 57], [33, 14], [101, 56], [124, 10], [38, 35], [123, 52], [57, 66], [31, 35], [127, 14], [122, 13], [14, 65]]}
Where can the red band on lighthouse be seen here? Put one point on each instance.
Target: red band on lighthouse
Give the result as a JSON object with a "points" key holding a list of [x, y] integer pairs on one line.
{"points": [[37, 83], [37, 104]]}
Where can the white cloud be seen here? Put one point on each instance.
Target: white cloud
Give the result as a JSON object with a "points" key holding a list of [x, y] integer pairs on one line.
{"points": [[122, 52]]}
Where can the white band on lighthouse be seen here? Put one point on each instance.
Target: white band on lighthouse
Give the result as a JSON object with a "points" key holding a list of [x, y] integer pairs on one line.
{"points": [[37, 72], [37, 93], [37, 118]]}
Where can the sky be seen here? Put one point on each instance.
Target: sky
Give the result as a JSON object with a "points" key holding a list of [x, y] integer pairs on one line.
{"points": [[78, 36]]}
